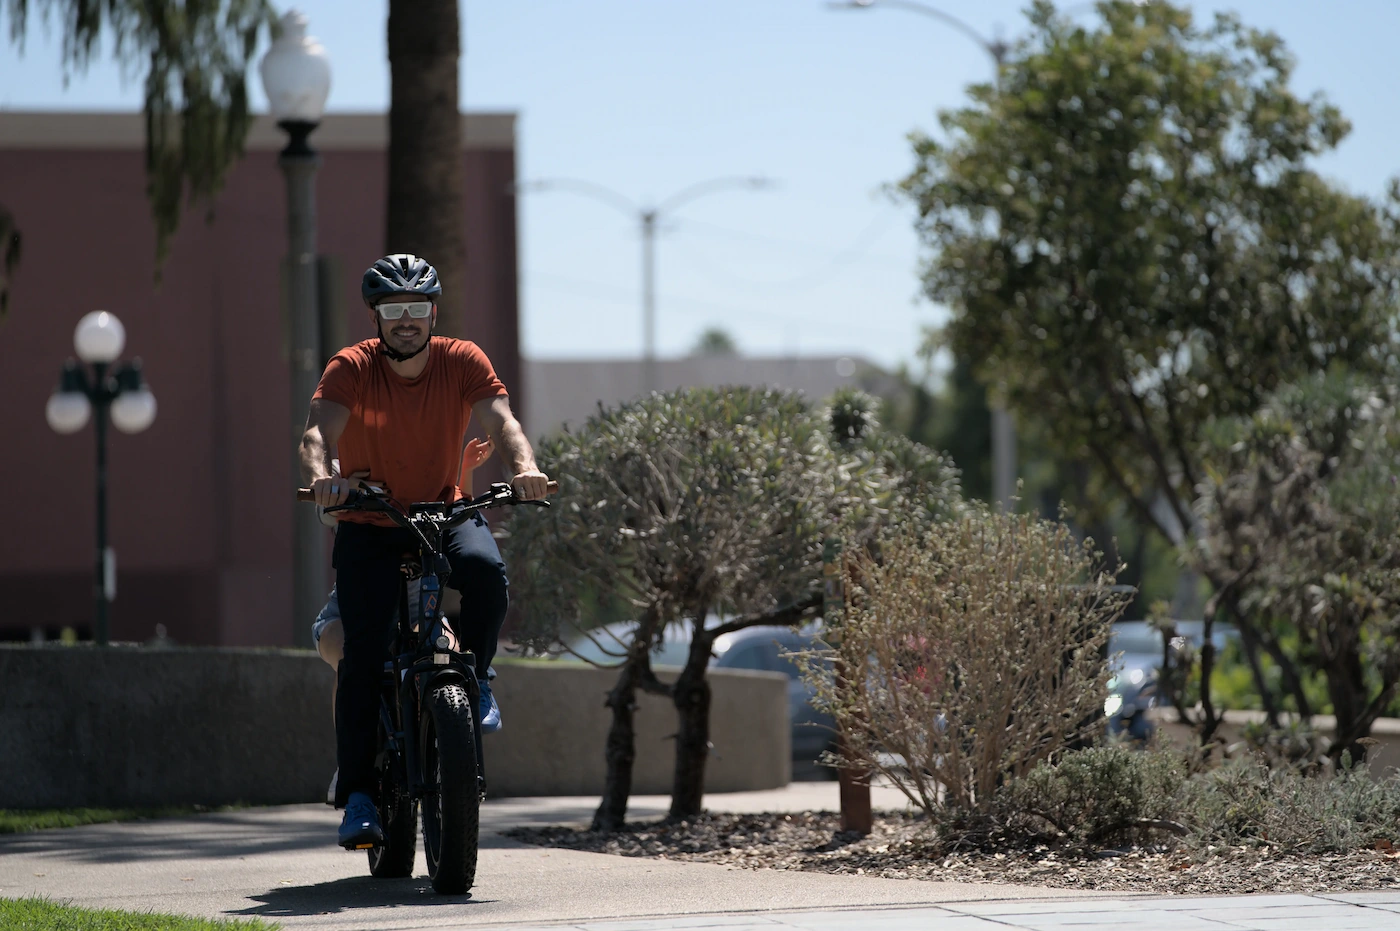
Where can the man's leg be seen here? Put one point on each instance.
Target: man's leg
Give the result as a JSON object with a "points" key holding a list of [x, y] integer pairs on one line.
{"points": [[480, 575], [367, 582]]}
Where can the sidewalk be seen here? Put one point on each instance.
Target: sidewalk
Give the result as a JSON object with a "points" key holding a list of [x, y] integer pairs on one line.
{"points": [[280, 864]]}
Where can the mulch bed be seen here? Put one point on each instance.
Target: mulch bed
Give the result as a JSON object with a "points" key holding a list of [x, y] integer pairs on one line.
{"points": [[901, 847]]}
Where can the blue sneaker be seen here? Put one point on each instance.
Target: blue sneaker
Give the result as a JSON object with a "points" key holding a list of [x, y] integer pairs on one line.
{"points": [[490, 711], [360, 830]]}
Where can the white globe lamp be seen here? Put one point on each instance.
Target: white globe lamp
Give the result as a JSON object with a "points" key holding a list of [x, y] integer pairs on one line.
{"points": [[134, 411], [67, 411], [296, 74], [99, 338]]}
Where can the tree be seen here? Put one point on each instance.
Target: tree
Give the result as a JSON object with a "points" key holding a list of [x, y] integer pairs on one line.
{"points": [[685, 504], [10, 242], [1300, 514], [1132, 244], [194, 60], [715, 342], [706, 502], [425, 207]]}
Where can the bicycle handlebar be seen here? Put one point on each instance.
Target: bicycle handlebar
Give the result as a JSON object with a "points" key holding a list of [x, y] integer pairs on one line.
{"points": [[307, 495]]}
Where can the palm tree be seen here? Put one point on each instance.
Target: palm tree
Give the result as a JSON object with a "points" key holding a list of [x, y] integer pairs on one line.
{"points": [[425, 214], [194, 58]]}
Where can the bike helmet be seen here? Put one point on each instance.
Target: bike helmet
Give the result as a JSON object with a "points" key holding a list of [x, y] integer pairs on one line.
{"points": [[400, 273]]}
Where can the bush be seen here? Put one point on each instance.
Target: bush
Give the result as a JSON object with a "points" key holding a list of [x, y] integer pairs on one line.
{"points": [[1101, 796], [968, 654], [1244, 803]]}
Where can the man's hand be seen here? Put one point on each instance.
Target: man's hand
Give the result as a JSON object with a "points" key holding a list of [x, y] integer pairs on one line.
{"points": [[331, 492], [338, 487], [530, 485]]}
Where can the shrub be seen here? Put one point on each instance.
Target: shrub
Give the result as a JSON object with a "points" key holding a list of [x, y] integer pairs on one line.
{"points": [[969, 653], [1244, 803]]}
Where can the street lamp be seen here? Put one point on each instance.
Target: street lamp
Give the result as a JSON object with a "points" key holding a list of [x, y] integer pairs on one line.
{"points": [[297, 78], [1003, 428], [115, 388], [647, 218]]}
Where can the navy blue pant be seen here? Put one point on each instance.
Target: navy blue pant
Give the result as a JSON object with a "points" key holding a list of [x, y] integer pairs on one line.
{"points": [[366, 560]]}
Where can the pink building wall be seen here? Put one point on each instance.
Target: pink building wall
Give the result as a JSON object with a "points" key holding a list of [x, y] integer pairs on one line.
{"points": [[200, 504]]}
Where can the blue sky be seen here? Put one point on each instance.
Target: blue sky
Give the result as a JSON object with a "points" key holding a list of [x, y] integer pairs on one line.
{"points": [[650, 96]]}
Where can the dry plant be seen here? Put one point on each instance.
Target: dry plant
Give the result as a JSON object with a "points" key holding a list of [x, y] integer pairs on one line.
{"points": [[970, 653]]}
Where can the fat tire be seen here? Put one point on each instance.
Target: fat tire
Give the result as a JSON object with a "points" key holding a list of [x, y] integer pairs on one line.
{"points": [[451, 808]]}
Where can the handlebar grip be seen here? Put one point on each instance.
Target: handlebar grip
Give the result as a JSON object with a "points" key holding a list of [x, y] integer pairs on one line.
{"points": [[309, 496], [552, 488]]}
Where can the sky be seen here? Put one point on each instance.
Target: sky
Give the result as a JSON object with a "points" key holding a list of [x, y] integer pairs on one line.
{"points": [[648, 97]]}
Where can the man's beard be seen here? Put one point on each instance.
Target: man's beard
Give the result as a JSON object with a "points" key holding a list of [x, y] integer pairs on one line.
{"points": [[401, 355]]}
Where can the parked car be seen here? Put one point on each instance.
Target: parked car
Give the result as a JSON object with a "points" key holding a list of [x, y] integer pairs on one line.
{"points": [[768, 649], [1136, 649]]}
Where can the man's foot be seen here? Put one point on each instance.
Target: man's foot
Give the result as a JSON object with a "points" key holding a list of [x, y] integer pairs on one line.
{"points": [[360, 830], [330, 793], [490, 711]]}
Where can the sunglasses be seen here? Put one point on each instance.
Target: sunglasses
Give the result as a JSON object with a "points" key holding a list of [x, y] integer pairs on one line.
{"points": [[394, 310]]}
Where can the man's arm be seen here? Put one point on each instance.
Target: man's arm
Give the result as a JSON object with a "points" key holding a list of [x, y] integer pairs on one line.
{"points": [[509, 439], [324, 425]]}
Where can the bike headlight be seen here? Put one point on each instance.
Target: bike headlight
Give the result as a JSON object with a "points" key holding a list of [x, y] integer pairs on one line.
{"points": [[1113, 704]]}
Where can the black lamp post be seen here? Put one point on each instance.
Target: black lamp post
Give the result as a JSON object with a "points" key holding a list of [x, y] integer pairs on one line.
{"points": [[296, 75], [113, 389]]}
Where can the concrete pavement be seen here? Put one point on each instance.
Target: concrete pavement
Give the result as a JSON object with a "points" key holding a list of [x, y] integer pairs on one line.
{"points": [[280, 864]]}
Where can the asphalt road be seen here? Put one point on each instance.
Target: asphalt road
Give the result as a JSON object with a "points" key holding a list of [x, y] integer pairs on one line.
{"points": [[281, 864]]}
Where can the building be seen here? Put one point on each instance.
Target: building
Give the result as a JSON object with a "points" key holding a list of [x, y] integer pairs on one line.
{"points": [[200, 504], [568, 391]]}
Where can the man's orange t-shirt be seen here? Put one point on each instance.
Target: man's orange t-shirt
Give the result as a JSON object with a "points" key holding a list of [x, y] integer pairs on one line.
{"points": [[407, 433]]}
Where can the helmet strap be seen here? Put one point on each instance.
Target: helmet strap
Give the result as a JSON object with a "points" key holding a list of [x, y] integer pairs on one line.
{"points": [[393, 353]]}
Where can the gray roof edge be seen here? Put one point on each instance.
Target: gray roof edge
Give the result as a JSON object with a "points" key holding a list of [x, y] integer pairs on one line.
{"points": [[95, 129]]}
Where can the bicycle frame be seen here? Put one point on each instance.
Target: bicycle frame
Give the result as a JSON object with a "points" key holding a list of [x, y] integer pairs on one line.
{"points": [[424, 657]]}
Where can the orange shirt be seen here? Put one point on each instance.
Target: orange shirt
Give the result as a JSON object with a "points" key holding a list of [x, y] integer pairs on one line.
{"points": [[407, 432]]}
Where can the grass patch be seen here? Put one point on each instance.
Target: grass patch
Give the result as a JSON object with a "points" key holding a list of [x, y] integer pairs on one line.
{"points": [[34, 914], [20, 820]]}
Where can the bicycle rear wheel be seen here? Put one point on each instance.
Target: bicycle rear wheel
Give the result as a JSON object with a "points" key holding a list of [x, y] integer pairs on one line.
{"points": [[451, 806], [398, 815]]}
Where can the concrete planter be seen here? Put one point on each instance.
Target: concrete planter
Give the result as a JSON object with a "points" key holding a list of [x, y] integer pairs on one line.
{"points": [[135, 727]]}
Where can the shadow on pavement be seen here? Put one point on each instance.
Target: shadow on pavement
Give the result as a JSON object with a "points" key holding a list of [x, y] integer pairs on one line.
{"points": [[349, 894], [244, 834]]}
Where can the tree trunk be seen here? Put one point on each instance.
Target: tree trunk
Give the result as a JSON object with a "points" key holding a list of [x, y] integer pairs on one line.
{"points": [[621, 752], [425, 209], [691, 695]]}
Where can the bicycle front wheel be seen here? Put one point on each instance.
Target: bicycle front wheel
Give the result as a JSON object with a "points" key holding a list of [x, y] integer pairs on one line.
{"points": [[451, 805]]}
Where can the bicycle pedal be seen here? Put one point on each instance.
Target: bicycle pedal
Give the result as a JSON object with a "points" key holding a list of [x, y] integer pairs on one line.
{"points": [[364, 846]]}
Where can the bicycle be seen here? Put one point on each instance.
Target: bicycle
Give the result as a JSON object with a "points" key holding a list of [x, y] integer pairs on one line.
{"points": [[429, 714]]}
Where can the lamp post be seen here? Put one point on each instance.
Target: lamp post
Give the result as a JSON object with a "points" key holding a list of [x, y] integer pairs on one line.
{"points": [[110, 388], [297, 78], [648, 219], [1003, 428]]}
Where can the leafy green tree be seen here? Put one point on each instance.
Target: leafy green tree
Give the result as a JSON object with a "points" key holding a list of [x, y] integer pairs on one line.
{"points": [[1300, 514], [1131, 241], [715, 341], [193, 59]]}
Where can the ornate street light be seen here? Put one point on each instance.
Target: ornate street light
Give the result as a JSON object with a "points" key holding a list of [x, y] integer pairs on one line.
{"points": [[111, 388], [296, 75]]}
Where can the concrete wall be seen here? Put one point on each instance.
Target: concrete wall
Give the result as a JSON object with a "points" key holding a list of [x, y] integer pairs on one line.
{"points": [[1383, 758], [135, 727]]}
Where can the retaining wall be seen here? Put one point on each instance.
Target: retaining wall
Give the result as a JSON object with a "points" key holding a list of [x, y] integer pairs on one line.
{"points": [[80, 726]]}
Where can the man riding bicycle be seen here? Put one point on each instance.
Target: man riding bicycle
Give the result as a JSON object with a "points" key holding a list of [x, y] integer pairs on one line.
{"points": [[397, 407]]}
